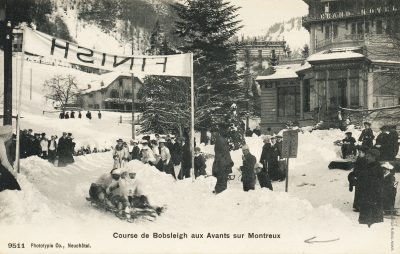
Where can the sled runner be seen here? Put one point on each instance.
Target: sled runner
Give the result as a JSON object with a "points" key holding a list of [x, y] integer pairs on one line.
{"points": [[344, 165], [146, 213]]}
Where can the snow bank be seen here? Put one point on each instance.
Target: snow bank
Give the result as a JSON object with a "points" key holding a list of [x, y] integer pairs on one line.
{"points": [[318, 204]]}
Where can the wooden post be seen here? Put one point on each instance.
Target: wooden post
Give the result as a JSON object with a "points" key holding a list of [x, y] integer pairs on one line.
{"points": [[192, 114], [7, 47], [18, 139], [133, 107], [30, 86], [287, 175]]}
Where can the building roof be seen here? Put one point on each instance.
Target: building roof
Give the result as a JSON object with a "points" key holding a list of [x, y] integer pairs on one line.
{"points": [[335, 54], [104, 80], [282, 72]]}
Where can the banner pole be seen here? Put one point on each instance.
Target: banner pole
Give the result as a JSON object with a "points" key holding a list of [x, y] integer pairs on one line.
{"points": [[192, 114], [133, 106], [17, 148]]}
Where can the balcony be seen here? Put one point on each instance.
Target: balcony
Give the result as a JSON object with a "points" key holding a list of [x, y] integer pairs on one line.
{"points": [[349, 40], [345, 14]]}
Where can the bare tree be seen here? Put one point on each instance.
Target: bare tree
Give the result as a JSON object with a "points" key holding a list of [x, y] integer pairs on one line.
{"points": [[62, 89]]}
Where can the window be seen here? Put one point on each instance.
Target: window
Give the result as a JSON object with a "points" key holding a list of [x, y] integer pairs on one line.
{"points": [[379, 27], [353, 28], [306, 94], [354, 93], [327, 32], [389, 27], [114, 94], [335, 31], [90, 95], [96, 106], [366, 27], [127, 95], [120, 82], [288, 101], [360, 28]]}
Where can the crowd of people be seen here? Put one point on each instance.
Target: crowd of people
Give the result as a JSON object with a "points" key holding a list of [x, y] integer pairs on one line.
{"points": [[54, 149], [386, 142], [68, 115], [373, 178], [162, 152]]}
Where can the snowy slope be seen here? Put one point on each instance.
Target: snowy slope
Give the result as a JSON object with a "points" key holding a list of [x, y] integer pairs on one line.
{"points": [[291, 31], [318, 204]]}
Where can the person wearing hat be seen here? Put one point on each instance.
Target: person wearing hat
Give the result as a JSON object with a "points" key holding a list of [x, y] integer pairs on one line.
{"points": [[146, 154], [134, 150], [348, 146], [199, 163], [278, 145], [359, 165], [383, 144], [367, 136], [248, 174], [393, 142], [97, 190], [63, 150], [7, 172], [120, 154], [165, 158], [223, 163], [44, 145], [52, 149], [370, 186]]}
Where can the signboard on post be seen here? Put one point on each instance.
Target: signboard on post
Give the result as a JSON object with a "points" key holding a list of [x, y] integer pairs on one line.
{"points": [[290, 145]]}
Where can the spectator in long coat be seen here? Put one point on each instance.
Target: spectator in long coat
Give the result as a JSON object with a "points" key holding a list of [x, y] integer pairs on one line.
{"points": [[367, 136], [248, 173], [199, 163], [394, 142], [186, 163], [120, 154], [165, 158], [176, 151], [7, 172], [52, 148], [383, 144], [262, 175], [359, 165], [370, 185], [72, 114], [269, 158], [66, 115], [223, 163], [70, 149], [62, 150]]}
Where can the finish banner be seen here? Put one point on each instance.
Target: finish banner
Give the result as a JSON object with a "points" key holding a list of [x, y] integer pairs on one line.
{"points": [[41, 44]]}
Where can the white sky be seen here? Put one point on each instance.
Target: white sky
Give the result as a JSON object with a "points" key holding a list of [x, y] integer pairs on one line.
{"points": [[258, 15]]}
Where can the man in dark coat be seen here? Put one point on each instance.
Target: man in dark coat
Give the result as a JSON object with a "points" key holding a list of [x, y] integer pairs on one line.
{"points": [[80, 114], [359, 166], [62, 150], [249, 132], [348, 145], [89, 115], [61, 116], [52, 148], [66, 115], [70, 149], [257, 131], [199, 163], [72, 114], [99, 115], [223, 163], [186, 161], [389, 190], [135, 153], [263, 175], [370, 185], [383, 144], [394, 142], [248, 173], [367, 136]]}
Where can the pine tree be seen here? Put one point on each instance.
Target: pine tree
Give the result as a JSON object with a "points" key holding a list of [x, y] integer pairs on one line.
{"points": [[166, 104], [273, 61], [305, 52], [207, 28]]}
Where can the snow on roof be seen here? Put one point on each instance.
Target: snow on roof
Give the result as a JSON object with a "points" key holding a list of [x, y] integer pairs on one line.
{"points": [[105, 80], [282, 72], [304, 67], [335, 54], [386, 61]]}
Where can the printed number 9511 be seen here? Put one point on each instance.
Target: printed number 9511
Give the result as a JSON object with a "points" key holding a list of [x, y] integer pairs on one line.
{"points": [[16, 245]]}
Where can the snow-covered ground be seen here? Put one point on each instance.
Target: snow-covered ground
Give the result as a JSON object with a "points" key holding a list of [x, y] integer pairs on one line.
{"points": [[52, 209]]}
